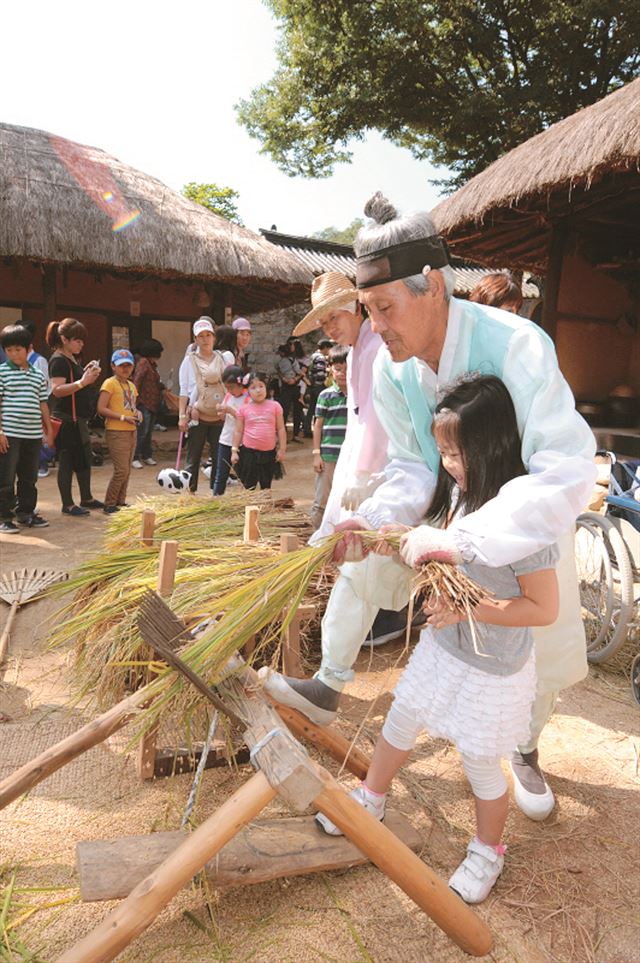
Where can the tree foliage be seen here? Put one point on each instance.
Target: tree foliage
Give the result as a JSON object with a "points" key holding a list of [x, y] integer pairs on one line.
{"points": [[346, 235], [220, 200], [458, 83]]}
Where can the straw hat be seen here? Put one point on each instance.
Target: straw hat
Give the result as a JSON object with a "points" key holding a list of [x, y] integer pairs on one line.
{"points": [[330, 290]]}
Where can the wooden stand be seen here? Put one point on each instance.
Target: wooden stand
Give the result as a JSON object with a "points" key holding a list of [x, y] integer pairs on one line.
{"points": [[285, 769], [146, 755]]}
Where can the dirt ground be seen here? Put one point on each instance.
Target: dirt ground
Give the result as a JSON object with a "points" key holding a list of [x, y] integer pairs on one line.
{"points": [[569, 891]]}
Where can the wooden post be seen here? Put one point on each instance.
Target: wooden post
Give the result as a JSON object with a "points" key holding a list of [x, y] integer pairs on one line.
{"points": [[555, 257], [146, 755], [291, 640], [142, 906], [406, 869], [148, 526], [251, 529]]}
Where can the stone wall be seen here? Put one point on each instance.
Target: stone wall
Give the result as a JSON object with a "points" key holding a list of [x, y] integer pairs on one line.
{"points": [[271, 328]]}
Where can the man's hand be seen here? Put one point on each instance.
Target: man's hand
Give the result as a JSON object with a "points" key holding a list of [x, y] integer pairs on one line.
{"points": [[235, 457], [350, 547], [355, 491], [317, 464], [425, 544], [4, 444], [49, 438]]}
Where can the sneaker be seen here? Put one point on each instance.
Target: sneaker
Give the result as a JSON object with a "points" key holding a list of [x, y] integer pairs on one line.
{"points": [[92, 503], [296, 440], [34, 521], [150, 461], [476, 875], [110, 509], [75, 510], [136, 463], [373, 803], [159, 428], [43, 472], [530, 789], [8, 527], [206, 471], [315, 700]]}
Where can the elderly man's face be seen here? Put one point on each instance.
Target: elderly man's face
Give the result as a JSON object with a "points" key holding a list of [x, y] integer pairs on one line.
{"points": [[342, 326], [410, 326]]}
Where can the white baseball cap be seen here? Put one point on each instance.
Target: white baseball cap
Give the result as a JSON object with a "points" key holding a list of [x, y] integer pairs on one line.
{"points": [[202, 324]]}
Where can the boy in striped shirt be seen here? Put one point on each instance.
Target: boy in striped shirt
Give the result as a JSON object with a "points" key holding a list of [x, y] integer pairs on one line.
{"points": [[329, 430], [24, 421]]}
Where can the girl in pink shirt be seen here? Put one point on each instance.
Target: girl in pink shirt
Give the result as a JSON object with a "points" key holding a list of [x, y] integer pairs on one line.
{"points": [[259, 425]]}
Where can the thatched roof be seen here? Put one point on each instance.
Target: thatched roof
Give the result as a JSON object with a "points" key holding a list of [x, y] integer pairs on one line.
{"points": [[589, 162], [64, 203]]}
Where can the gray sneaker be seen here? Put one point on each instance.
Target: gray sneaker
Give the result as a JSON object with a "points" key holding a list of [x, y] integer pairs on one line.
{"points": [[7, 527]]}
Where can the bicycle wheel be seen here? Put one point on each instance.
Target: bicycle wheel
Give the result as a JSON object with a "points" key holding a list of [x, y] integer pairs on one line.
{"points": [[605, 580]]}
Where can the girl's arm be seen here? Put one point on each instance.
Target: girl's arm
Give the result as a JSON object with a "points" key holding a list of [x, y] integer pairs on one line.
{"points": [[237, 440], [538, 605], [282, 435]]}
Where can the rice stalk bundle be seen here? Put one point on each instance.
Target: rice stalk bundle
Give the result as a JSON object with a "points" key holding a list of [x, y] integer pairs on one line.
{"points": [[253, 608]]}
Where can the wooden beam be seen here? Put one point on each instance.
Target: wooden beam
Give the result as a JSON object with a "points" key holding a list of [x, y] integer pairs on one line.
{"points": [[49, 278], [555, 260], [266, 849]]}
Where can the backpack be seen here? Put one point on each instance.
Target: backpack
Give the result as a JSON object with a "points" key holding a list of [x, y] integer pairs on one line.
{"points": [[210, 393]]}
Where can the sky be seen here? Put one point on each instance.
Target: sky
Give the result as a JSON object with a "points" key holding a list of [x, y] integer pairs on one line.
{"points": [[155, 83]]}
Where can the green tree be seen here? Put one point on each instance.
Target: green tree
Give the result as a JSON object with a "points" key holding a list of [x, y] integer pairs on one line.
{"points": [[220, 200], [345, 236], [458, 83]]}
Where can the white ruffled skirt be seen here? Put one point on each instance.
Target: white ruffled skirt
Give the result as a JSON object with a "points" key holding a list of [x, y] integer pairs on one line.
{"points": [[483, 714]]}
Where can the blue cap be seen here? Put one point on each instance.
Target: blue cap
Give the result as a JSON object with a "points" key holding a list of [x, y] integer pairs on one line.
{"points": [[122, 356]]}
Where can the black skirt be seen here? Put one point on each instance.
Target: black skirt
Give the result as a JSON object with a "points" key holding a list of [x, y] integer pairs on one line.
{"points": [[258, 467]]}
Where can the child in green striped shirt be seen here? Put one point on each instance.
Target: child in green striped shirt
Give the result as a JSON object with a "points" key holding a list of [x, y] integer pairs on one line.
{"points": [[329, 429], [24, 421]]}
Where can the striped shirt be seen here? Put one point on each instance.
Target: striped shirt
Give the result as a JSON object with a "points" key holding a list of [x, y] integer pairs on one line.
{"points": [[22, 390], [331, 406]]}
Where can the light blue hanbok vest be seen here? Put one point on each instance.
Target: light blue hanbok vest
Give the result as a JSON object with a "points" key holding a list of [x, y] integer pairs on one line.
{"points": [[482, 346]]}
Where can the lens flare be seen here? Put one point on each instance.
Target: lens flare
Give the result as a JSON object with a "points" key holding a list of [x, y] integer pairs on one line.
{"points": [[97, 181]]}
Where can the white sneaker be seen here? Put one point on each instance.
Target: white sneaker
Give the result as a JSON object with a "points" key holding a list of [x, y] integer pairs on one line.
{"points": [[150, 461], [136, 463], [373, 804], [43, 472], [476, 875], [159, 428]]}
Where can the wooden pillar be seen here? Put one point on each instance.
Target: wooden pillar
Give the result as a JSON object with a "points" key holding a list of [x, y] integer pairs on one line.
{"points": [[251, 528], [291, 641], [148, 526], [146, 757], [555, 257], [50, 305]]}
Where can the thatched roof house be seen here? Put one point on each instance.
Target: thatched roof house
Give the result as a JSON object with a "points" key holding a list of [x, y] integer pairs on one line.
{"points": [[67, 204], [586, 167], [566, 205]]}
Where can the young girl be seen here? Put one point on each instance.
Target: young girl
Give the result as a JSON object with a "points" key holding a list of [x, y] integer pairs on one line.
{"points": [[235, 398], [259, 425], [117, 405], [477, 692]]}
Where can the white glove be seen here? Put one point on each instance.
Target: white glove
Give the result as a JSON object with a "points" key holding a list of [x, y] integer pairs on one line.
{"points": [[424, 544], [359, 488]]}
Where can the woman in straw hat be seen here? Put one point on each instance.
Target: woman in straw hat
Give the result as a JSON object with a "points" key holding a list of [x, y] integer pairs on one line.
{"points": [[406, 283]]}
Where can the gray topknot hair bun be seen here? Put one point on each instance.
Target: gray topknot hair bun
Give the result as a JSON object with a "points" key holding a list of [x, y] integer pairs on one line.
{"points": [[380, 209]]}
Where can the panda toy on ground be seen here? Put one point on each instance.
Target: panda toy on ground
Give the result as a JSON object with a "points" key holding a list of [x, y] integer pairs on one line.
{"points": [[174, 481]]}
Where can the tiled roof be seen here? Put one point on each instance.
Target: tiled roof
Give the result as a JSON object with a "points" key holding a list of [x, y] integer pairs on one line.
{"points": [[322, 256]]}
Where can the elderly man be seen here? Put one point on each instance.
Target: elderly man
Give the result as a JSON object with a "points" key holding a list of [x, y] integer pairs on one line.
{"points": [[406, 284]]}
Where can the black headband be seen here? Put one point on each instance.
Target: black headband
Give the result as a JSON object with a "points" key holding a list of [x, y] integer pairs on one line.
{"points": [[401, 261]]}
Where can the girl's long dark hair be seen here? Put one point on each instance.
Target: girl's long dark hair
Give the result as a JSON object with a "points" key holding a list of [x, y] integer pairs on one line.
{"points": [[477, 415]]}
